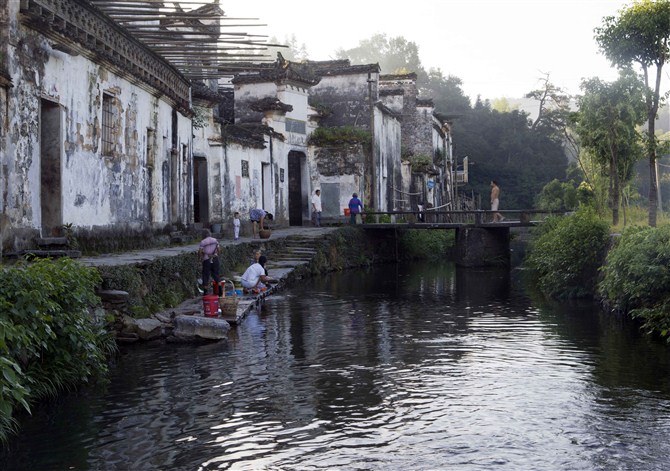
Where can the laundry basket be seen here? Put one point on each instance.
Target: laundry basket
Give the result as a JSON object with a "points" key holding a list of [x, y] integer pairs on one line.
{"points": [[228, 304]]}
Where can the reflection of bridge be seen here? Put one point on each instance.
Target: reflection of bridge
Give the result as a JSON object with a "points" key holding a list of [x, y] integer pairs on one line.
{"points": [[479, 240]]}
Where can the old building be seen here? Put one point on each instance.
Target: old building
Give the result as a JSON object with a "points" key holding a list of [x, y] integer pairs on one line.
{"points": [[426, 145], [126, 123], [96, 127]]}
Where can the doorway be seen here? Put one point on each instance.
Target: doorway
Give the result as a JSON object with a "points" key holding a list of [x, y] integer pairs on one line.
{"points": [[295, 194], [200, 192], [266, 185], [51, 200]]}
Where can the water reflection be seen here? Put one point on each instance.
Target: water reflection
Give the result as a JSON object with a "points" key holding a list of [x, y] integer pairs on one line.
{"points": [[400, 367]]}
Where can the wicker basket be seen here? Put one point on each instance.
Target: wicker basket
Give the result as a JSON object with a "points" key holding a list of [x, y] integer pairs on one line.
{"points": [[264, 233], [228, 304]]}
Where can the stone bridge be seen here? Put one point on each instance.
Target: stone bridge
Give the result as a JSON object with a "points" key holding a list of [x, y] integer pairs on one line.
{"points": [[479, 240]]}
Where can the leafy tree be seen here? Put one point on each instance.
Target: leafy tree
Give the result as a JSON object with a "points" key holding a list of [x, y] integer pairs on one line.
{"points": [[398, 55], [640, 35], [609, 114], [504, 148], [553, 109], [556, 195], [446, 92], [394, 55]]}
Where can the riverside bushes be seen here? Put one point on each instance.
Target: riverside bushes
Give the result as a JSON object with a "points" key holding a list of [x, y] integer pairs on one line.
{"points": [[49, 340], [637, 277], [566, 255]]}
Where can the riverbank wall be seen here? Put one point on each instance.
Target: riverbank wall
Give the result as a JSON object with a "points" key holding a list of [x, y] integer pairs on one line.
{"points": [[143, 294]]}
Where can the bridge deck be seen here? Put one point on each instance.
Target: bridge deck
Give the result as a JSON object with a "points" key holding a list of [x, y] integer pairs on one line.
{"points": [[448, 225], [453, 219]]}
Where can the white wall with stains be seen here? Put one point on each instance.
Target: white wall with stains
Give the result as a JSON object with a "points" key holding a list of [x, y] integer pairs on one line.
{"points": [[143, 181]]}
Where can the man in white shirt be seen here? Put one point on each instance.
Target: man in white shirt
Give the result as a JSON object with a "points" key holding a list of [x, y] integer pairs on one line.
{"points": [[316, 208], [254, 277]]}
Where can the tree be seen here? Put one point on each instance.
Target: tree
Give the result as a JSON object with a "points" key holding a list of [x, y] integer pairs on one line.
{"points": [[398, 55], [609, 114], [553, 109], [640, 36], [446, 92], [394, 55], [504, 148]]}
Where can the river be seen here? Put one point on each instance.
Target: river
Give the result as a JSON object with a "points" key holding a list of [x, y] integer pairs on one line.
{"points": [[402, 367]]}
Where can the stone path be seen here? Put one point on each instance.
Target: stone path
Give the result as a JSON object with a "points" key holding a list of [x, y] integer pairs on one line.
{"points": [[189, 314], [147, 255]]}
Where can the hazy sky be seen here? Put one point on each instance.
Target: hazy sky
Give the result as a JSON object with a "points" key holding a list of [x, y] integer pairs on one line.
{"points": [[498, 48]]}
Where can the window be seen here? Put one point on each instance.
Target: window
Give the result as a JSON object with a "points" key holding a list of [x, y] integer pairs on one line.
{"points": [[107, 124], [245, 168], [281, 175], [293, 125]]}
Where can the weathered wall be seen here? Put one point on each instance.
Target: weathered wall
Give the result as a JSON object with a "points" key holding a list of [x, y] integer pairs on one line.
{"points": [[142, 179], [347, 97], [388, 137], [338, 172], [247, 93]]}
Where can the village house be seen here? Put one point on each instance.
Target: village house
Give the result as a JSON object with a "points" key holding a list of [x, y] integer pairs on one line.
{"points": [[271, 159], [102, 134], [96, 128], [426, 145]]}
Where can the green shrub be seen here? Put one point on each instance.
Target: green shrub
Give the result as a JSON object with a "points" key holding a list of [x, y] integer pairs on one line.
{"points": [[339, 136], [566, 254], [49, 341], [416, 243], [637, 276], [421, 163]]}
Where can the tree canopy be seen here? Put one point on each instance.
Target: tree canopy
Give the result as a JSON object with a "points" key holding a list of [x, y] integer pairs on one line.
{"points": [[607, 121], [505, 148], [640, 36]]}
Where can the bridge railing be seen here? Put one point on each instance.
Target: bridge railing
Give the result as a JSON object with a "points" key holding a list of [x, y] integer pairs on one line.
{"points": [[475, 217]]}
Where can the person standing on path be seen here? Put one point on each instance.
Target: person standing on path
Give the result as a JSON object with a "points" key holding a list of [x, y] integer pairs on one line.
{"points": [[316, 208], [495, 202], [236, 225], [258, 215], [355, 208], [209, 254]]}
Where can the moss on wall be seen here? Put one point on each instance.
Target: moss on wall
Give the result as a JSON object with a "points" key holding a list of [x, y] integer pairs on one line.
{"points": [[168, 281]]}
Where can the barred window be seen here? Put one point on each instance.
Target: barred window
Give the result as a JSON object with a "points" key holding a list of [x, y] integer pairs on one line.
{"points": [[296, 126], [245, 168], [107, 124]]}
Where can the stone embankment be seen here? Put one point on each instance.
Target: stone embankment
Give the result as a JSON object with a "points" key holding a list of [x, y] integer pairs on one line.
{"points": [[293, 253]]}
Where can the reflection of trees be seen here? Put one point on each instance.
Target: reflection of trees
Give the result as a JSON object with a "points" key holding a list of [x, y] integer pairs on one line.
{"points": [[622, 357], [481, 286]]}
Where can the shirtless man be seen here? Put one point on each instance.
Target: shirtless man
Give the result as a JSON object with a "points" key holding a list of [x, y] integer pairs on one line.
{"points": [[495, 202]]}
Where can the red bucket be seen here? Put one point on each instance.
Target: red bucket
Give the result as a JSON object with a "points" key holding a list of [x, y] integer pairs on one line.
{"points": [[347, 211], [210, 304]]}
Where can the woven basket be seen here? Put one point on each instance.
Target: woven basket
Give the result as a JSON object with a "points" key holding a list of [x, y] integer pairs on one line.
{"points": [[264, 233], [228, 304]]}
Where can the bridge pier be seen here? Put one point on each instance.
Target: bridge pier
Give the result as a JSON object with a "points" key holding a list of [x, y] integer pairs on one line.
{"points": [[482, 246]]}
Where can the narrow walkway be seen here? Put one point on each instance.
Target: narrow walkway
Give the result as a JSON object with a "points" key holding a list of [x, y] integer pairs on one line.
{"points": [[299, 251], [147, 255]]}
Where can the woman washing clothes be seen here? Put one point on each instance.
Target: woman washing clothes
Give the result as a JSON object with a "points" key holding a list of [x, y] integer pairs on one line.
{"points": [[255, 277]]}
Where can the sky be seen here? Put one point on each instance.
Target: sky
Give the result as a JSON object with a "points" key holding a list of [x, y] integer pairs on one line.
{"points": [[498, 48]]}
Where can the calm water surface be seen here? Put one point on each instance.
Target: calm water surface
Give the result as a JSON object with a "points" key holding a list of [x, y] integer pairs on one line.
{"points": [[417, 367]]}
